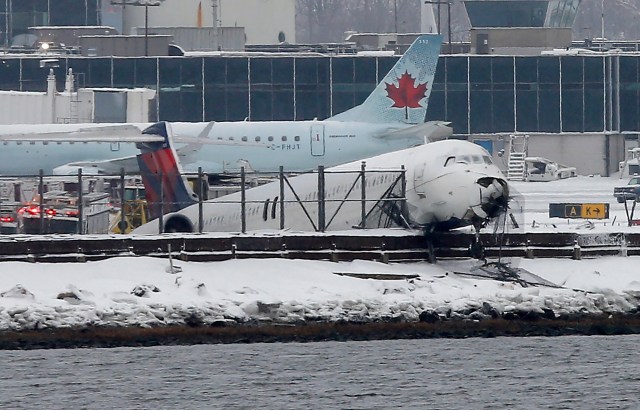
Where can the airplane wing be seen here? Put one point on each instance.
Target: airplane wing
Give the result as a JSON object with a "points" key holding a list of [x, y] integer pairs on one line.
{"points": [[108, 133], [431, 131]]}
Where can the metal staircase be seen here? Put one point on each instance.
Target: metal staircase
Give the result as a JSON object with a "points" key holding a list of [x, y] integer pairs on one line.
{"points": [[518, 151]]}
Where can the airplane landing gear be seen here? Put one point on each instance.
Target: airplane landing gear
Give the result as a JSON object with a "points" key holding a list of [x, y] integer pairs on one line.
{"points": [[476, 249]]}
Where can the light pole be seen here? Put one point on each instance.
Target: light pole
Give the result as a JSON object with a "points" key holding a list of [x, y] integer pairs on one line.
{"points": [[602, 21], [395, 15], [448, 3]]}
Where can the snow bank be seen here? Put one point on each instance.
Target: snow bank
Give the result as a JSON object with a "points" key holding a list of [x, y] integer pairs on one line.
{"points": [[139, 291]]}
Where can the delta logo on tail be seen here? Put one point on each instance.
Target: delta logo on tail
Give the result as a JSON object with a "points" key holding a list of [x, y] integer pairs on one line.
{"points": [[406, 94]]}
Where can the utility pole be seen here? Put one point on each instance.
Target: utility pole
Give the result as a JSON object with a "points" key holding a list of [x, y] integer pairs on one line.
{"points": [[395, 15], [214, 6]]}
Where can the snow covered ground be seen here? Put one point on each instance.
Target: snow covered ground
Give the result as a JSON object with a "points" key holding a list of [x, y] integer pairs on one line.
{"points": [[140, 291]]}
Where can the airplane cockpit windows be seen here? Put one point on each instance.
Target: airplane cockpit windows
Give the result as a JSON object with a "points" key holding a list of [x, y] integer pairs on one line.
{"points": [[476, 159], [449, 161], [487, 159]]}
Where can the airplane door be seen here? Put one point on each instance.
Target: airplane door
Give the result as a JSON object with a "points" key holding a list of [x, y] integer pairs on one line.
{"points": [[419, 179], [317, 140]]}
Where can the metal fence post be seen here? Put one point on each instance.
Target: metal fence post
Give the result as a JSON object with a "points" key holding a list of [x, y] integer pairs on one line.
{"points": [[243, 201], [161, 215], [200, 200], [123, 215], [403, 192], [41, 201], [80, 203], [363, 195], [321, 203], [281, 175]]}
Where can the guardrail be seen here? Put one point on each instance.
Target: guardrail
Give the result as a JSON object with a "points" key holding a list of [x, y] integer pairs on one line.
{"points": [[395, 247]]}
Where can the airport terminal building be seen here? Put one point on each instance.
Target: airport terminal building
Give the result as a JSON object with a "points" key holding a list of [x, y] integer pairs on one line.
{"points": [[480, 94]]}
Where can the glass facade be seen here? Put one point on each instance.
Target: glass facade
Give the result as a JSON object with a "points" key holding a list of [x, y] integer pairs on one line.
{"points": [[16, 16], [478, 94], [522, 13], [501, 13]]}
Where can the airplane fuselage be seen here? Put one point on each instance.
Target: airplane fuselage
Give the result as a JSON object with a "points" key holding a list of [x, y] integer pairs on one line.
{"points": [[448, 184], [260, 146], [299, 146]]}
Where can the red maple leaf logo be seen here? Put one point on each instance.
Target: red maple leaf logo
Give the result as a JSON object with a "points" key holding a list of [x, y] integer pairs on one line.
{"points": [[406, 95]]}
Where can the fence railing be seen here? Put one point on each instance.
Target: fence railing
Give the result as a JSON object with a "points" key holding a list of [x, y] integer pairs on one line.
{"points": [[87, 203]]}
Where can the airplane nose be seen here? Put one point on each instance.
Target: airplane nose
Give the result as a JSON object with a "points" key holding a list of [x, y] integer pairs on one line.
{"points": [[494, 197]]}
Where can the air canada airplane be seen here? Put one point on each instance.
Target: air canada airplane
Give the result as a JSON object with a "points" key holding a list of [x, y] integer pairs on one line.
{"points": [[391, 118], [447, 184]]}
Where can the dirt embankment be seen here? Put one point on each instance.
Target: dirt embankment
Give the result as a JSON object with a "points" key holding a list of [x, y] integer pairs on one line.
{"points": [[255, 332]]}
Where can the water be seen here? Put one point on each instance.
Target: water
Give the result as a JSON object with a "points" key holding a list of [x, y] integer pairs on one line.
{"points": [[527, 373]]}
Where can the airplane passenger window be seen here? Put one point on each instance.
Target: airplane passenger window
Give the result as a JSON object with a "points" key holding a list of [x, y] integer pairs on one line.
{"points": [[296, 138], [284, 138], [449, 161], [270, 138], [230, 138], [257, 139], [244, 139]]}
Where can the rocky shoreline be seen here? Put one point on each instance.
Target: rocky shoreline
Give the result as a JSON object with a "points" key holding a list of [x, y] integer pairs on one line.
{"points": [[429, 326]]}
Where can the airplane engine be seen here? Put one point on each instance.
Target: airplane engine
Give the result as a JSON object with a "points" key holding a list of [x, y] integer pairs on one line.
{"points": [[176, 223]]}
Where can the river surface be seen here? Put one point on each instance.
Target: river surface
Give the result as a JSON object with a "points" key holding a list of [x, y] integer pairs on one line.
{"points": [[570, 372]]}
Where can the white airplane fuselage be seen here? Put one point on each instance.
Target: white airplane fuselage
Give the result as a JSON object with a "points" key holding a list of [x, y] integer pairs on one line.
{"points": [[448, 184], [261, 146]]}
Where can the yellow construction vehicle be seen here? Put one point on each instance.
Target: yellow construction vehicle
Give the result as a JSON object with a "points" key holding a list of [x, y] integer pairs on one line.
{"points": [[135, 210]]}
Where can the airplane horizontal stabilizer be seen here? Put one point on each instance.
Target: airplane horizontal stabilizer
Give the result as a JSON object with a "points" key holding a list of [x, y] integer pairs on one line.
{"points": [[104, 167], [431, 131]]}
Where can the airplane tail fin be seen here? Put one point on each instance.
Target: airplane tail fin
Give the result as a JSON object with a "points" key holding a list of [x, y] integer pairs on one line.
{"points": [[403, 94], [166, 189]]}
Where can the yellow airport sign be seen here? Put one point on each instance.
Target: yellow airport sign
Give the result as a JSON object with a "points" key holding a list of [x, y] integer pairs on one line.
{"points": [[579, 211], [595, 211]]}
